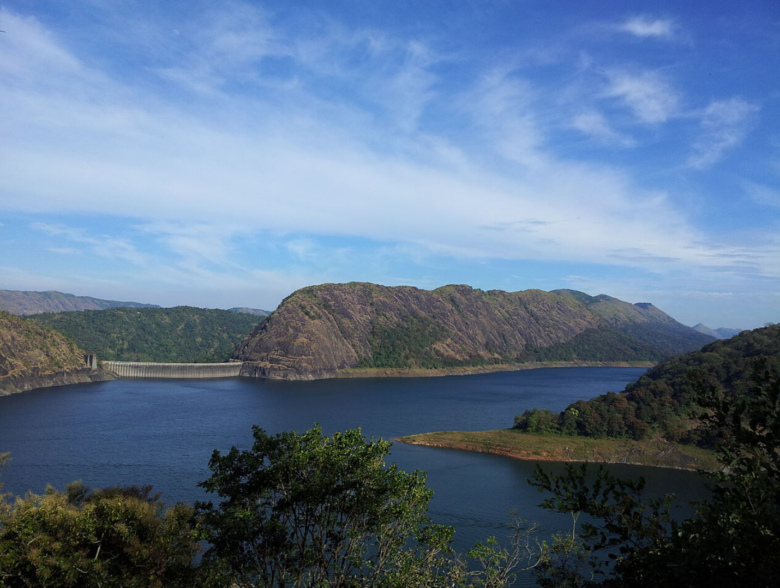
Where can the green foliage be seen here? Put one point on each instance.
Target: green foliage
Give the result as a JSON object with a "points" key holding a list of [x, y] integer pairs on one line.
{"points": [[175, 335], [26, 346], [662, 401], [112, 537], [734, 537], [409, 344], [630, 342], [311, 510], [325, 511]]}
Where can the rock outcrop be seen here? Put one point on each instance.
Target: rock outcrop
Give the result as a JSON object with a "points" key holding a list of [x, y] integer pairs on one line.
{"points": [[320, 330]]}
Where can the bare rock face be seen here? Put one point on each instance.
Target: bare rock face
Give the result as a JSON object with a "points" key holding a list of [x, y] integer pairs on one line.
{"points": [[320, 330]]}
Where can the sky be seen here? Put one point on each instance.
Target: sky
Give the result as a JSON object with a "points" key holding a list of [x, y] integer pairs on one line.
{"points": [[224, 154]]}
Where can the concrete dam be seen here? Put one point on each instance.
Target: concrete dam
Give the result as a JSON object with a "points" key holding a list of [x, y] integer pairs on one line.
{"points": [[140, 369]]}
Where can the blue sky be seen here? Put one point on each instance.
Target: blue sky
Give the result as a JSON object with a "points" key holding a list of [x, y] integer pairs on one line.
{"points": [[227, 153]]}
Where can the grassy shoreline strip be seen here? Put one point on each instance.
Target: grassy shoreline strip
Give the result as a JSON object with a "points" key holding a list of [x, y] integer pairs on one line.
{"points": [[481, 369], [520, 445]]}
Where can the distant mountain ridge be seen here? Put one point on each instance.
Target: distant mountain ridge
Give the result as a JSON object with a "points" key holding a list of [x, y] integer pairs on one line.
{"points": [[21, 302], [253, 311], [321, 330], [721, 333]]}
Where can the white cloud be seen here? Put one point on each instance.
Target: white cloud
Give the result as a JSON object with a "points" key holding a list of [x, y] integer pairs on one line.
{"points": [[763, 195], [595, 125], [195, 174], [724, 125], [647, 94], [103, 245], [648, 27]]}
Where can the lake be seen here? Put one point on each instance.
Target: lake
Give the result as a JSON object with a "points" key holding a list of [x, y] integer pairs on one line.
{"points": [[162, 432]]}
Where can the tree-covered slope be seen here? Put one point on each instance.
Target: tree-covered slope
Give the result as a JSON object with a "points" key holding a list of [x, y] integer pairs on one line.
{"points": [[662, 401], [320, 330], [177, 335], [24, 303], [33, 356]]}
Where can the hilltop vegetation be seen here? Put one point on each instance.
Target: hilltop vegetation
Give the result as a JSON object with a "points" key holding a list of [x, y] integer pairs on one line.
{"points": [[171, 335], [26, 346], [32, 356], [318, 331], [23, 303], [662, 401]]}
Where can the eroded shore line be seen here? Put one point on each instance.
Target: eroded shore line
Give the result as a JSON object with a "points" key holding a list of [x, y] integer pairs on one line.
{"points": [[483, 369], [519, 445]]}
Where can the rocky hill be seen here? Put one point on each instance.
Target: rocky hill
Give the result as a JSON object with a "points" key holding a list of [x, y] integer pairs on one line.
{"points": [[24, 303], [320, 330], [182, 334], [33, 356]]}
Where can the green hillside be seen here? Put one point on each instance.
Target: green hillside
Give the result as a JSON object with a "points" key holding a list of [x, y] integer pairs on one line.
{"points": [[177, 335], [661, 403]]}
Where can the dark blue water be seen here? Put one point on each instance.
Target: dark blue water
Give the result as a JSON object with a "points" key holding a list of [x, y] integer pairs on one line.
{"points": [[162, 432]]}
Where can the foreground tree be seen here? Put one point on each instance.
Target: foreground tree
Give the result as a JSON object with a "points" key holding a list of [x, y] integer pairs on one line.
{"points": [[113, 537], [734, 537], [325, 511]]}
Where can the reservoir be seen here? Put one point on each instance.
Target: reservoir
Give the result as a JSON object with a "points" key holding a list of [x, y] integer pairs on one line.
{"points": [[162, 432]]}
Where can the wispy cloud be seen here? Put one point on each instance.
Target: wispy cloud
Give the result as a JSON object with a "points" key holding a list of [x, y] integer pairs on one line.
{"points": [[594, 124], [649, 27], [103, 245], [309, 132], [763, 195], [724, 125], [648, 94]]}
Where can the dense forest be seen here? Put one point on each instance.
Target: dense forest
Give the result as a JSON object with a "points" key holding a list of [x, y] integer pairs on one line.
{"points": [[662, 402], [182, 334]]}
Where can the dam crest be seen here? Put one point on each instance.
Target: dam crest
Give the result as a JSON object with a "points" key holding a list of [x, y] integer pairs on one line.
{"points": [[141, 369]]}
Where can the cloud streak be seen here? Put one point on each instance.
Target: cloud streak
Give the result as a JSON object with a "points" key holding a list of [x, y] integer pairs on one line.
{"points": [[649, 27], [304, 134], [724, 125]]}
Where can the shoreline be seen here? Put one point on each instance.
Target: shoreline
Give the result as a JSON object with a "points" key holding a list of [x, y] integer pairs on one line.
{"points": [[553, 448], [482, 369]]}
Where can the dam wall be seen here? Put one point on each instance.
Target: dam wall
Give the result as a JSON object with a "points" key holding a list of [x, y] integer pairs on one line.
{"points": [[140, 369]]}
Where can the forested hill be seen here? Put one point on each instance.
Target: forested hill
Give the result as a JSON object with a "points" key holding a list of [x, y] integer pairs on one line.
{"points": [[182, 334], [24, 303], [32, 356], [320, 330], [662, 401]]}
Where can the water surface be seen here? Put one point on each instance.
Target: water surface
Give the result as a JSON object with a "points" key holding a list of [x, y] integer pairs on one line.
{"points": [[162, 432]]}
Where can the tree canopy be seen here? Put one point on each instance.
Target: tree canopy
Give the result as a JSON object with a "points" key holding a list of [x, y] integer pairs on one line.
{"points": [[732, 540]]}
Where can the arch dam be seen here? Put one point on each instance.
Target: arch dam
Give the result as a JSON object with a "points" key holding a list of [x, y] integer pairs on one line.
{"points": [[141, 369]]}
